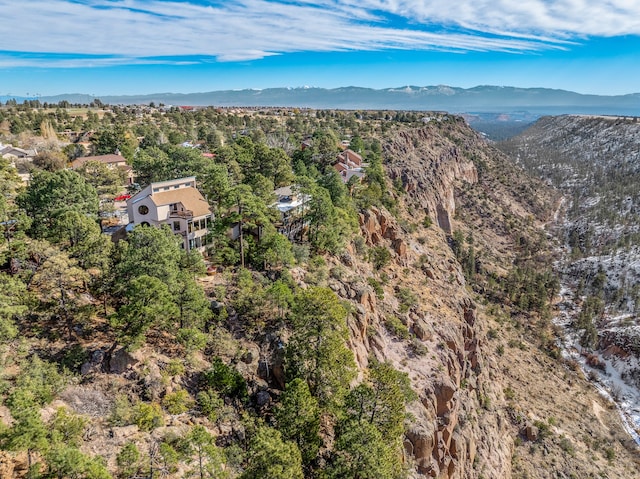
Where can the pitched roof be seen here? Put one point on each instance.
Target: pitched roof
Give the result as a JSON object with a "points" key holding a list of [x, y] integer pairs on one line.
{"points": [[190, 198], [17, 152], [284, 191], [350, 156], [106, 159]]}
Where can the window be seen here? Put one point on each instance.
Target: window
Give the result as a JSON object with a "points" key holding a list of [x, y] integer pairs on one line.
{"points": [[145, 223], [176, 226], [143, 209]]}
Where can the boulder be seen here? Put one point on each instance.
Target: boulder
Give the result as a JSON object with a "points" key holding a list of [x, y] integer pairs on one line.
{"points": [[94, 365], [120, 361], [531, 432], [124, 432], [263, 398], [420, 444], [444, 392], [400, 247], [422, 330]]}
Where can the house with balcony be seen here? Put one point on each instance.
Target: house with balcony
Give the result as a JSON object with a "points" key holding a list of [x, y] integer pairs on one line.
{"points": [[178, 204], [349, 163], [293, 206]]}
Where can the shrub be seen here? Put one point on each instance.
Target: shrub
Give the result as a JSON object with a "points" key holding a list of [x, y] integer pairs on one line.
{"points": [[360, 245], [300, 253], [74, 357], [121, 412], [175, 367], [377, 287], [609, 453], [566, 446], [209, 403], [177, 402], [406, 298], [337, 272], [224, 379], [147, 416], [544, 430], [417, 347], [379, 256], [395, 326], [192, 339], [127, 459], [509, 393]]}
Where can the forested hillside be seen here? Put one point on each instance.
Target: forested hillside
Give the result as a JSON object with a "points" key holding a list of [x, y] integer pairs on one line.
{"points": [[595, 163], [406, 334]]}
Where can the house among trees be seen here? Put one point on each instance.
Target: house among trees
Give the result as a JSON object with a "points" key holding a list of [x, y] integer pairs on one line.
{"points": [[112, 161], [178, 204], [349, 163], [292, 205], [12, 153]]}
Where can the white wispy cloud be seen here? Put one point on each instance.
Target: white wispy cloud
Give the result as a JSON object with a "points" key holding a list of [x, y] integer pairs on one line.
{"points": [[108, 32]]}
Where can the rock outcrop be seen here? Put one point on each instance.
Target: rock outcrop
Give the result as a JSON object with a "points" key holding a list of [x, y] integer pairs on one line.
{"points": [[430, 165], [451, 427]]}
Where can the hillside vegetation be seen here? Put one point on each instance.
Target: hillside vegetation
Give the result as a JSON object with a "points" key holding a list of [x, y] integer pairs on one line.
{"points": [[595, 162], [407, 335]]}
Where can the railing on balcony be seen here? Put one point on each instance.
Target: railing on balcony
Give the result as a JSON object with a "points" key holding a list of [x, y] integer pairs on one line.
{"points": [[181, 214]]}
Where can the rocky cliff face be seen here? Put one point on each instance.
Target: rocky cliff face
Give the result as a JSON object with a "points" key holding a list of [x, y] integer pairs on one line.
{"points": [[463, 425], [429, 165], [443, 346]]}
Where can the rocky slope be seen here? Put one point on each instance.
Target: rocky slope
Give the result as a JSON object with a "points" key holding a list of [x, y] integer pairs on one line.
{"points": [[595, 162], [494, 398], [482, 405]]}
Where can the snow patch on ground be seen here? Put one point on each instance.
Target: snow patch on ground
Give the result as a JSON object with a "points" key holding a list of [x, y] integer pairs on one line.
{"points": [[609, 378]]}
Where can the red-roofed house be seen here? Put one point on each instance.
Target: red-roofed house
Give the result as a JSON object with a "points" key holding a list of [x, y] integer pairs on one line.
{"points": [[348, 164]]}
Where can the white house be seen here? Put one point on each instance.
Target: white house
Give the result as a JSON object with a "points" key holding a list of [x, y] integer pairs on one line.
{"points": [[176, 203], [292, 206]]}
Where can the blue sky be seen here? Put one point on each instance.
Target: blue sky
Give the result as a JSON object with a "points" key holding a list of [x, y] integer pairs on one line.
{"points": [[104, 47]]}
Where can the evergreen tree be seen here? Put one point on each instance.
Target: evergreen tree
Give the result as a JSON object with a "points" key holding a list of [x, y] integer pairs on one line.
{"points": [[28, 432], [270, 457], [209, 459], [361, 452], [60, 283], [193, 307], [317, 350], [49, 195], [148, 251], [13, 305], [298, 419], [381, 400], [147, 303]]}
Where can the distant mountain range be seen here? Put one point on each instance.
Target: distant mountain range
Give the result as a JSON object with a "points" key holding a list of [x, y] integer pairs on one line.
{"points": [[539, 101]]}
